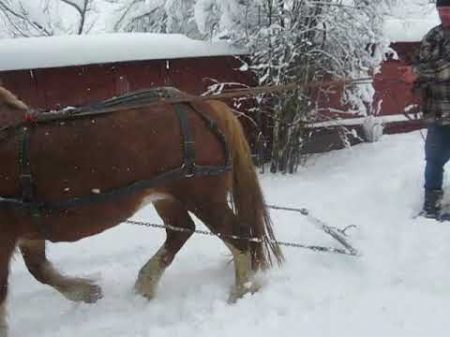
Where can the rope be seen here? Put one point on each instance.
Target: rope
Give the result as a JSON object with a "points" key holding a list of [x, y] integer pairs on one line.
{"points": [[254, 91]]}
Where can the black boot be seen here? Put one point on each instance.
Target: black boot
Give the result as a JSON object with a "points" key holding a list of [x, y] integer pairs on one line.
{"points": [[432, 204]]}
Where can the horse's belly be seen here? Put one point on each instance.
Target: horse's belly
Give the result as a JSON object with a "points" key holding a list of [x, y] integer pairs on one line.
{"points": [[81, 222]]}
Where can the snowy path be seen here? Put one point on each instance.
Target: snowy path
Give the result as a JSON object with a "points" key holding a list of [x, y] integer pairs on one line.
{"points": [[399, 287]]}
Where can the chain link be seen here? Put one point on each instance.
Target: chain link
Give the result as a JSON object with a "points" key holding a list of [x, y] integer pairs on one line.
{"points": [[339, 235], [250, 239]]}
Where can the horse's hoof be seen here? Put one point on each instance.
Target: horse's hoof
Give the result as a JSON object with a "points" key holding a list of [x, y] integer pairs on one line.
{"points": [[81, 290], [241, 290], [3, 331], [145, 289]]}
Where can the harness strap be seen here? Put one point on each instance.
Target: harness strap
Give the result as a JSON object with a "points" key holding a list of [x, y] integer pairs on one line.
{"points": [[189, 155], [26, 178], [188, 169], [212, 126], [28, 201]]}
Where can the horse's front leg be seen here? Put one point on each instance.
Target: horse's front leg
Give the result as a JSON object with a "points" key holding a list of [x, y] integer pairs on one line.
{"points": [[3, 323], [75, 289], [7, 245]]}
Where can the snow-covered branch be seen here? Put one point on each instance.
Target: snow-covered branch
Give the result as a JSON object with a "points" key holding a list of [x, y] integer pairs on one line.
{"points": [[300, 41], [81, 6], [20, 21], [22, 18]]}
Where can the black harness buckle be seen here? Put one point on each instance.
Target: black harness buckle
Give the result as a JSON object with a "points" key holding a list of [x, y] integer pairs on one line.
{"points": [[26, 181], [189, 170]]}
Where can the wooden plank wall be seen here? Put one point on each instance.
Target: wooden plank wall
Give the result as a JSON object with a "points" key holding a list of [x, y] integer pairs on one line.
{"points": [[54, 88]]}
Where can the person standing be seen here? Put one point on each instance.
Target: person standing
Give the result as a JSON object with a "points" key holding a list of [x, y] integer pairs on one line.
{"points": [[431, 75]]}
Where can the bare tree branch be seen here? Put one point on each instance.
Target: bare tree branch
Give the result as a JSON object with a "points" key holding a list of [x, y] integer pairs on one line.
{"points": [[125, 13], [82, 11], [8, 12], [20, 21]]}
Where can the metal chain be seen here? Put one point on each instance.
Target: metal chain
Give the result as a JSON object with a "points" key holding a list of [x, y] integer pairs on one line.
{"points": [[339, 235], [250, 239]]}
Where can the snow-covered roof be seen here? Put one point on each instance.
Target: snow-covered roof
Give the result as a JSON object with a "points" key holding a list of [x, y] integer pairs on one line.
{"points": [[70, 50], [410, 20]]}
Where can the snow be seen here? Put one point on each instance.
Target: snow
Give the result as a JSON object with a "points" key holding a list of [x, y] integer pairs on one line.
{"points": [[400, 286], [68, 50], [360, 120], [410, 20]]}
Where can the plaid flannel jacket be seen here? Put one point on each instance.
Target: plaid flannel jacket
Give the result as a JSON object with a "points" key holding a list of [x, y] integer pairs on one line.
{"points": [[432, 67]]}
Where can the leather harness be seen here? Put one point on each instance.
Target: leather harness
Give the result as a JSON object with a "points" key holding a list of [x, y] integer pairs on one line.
{"points": [[188, 169]]}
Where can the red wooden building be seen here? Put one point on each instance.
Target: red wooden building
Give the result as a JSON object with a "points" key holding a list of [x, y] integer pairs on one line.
{"points": [[54, 72], [394, 103], [50, 73]]}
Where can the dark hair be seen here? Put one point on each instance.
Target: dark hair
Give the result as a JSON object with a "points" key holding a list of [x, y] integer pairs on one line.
{"points": [[442, 3]]}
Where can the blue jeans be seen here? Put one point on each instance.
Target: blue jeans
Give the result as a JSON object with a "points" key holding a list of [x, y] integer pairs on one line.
{"points": [[437, 153]]}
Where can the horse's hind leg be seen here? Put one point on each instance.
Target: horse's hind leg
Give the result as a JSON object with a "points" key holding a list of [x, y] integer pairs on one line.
{"points": [[221, 220], [174, 214], [75, 289]]}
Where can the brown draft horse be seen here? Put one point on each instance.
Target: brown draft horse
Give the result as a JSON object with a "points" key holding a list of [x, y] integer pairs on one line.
{"points": [[85, 156]]}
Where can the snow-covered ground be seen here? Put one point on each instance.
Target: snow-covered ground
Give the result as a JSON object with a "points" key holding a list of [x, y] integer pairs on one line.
{"points": [[400, 286]]}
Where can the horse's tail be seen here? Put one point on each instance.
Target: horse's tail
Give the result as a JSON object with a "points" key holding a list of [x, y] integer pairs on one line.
{"points": [[247, 196]]}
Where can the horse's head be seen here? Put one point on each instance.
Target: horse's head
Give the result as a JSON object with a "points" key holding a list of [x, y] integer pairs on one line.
{"points": [[10, 100]]}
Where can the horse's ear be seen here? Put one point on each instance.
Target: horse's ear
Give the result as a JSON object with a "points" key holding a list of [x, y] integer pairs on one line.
{"points": [[10, 100], [17, 104]]}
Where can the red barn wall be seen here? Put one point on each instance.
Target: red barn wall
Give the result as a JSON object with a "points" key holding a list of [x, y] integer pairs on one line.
{"points": [[54, 88], [393, 96]]}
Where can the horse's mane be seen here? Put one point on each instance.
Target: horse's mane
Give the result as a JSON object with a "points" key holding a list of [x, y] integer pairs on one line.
{"points": [[11, 100]]}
